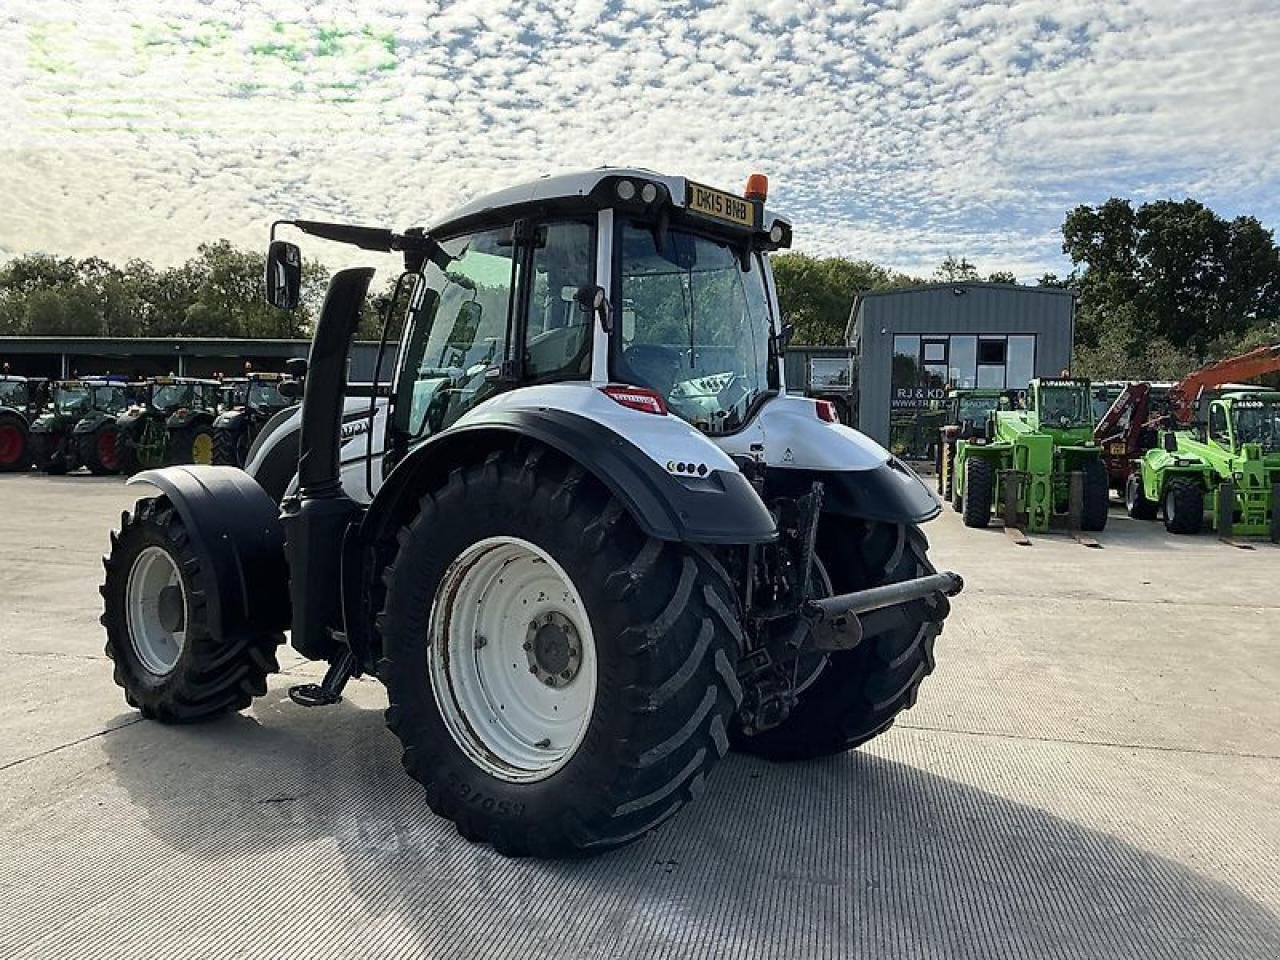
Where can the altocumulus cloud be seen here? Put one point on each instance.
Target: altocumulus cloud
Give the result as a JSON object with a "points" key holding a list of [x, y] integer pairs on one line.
{"points": [[894, 131]]}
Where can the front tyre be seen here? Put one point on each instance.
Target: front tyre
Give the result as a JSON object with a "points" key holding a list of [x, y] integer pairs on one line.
{"points": [[1096, 496], [861, 691], [560, 682], [1136, 503], [979, 492], [1183, 506], [167, 659]]}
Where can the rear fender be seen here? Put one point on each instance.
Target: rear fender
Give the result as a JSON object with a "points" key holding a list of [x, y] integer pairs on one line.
{"points": [[91, 422], [716, 507], [235, 530], [180, 421], [230, 420]]}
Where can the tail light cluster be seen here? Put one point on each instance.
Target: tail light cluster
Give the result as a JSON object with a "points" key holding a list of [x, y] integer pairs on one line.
{"points": [[826, 411], [636, 398]]}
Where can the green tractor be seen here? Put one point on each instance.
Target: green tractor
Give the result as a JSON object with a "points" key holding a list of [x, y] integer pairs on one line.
{"points": [[94, 442], [1023, 468], [968, 414], [55, 439], [1233, 464], [173, 424], [20, 402]]}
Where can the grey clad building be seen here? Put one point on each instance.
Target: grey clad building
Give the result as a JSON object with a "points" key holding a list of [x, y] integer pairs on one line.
{"points": [[911, 344]]}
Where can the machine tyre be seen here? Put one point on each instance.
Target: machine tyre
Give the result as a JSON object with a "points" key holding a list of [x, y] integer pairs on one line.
{"points": [[99, 450], [190, 444], [657, 620], [979, 492], [1136, 503], [230, 446], [1183, 506], [155, 610], [861, 691], [1097, 496], [15, 446]]}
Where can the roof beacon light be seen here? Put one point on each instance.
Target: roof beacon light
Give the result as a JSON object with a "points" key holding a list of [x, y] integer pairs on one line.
{"points": [[757, 187]]}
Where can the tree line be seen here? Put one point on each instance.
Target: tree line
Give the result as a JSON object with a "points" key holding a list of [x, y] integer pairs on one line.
{"points": [[1162, 287]]}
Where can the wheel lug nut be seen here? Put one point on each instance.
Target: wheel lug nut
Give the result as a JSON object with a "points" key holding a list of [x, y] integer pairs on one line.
{"points": [[551, 681], [528, 646], [532, 668], [567, 675]]}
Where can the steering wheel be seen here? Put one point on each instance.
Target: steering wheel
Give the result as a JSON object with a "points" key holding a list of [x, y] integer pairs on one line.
{"points": [[653, 365]]}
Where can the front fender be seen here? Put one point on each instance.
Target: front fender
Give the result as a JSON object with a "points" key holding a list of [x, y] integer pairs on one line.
{"points": [[191, 417], [46, 423], [235, 529], [229, 420], [719, 506], [91, 422]]}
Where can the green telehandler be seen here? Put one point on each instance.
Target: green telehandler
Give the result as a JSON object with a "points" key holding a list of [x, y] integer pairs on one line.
{"points": [[1232, 465], [1035, 464]]}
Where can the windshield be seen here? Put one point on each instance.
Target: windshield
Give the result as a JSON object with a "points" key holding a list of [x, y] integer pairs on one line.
{"points": [[167, 396], [110, 399], [71, 400], [13, 393], [695, 326], [1065, 407], [1257, 421], [265, 393], [976, 409], [1103, 398]]}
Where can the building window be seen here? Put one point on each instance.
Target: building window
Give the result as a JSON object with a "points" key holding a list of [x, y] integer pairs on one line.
{"points": [[1020, 363]]}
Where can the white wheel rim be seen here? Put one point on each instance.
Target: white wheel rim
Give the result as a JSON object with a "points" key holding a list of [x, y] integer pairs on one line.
{"points": [[502, 704], [156, 636]]}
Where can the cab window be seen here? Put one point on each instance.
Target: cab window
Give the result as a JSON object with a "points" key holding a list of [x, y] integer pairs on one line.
{"points": [[1218, 426], [457, 345], [558, 334]]}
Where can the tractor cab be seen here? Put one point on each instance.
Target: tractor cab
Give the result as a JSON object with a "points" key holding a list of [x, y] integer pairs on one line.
{"points": [[1239, 421], [969, 411], [233, 393], [21, 395], [1061, 406], [168, 395]]}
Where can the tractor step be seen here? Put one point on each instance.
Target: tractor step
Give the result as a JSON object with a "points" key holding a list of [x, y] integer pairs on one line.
{"points": [[329, 690]]}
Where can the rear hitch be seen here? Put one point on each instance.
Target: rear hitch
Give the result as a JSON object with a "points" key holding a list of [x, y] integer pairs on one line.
{"points": [[834, 623]]}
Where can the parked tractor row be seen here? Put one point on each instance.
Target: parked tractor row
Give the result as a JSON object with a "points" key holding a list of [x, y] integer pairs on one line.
{"points": [[109, 425]]}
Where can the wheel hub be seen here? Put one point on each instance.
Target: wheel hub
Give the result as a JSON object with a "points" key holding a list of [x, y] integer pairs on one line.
{"points": [[170, 608], [553, 649]]}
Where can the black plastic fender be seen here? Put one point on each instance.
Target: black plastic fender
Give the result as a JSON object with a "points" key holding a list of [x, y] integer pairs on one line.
{"points": [[889, 493], [92, 421], [230, 420], [186, 418], [235, 530], [720, 508]]}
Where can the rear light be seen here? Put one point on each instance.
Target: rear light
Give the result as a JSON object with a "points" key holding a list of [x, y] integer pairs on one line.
{"points": [[636, 398], [826, 410]]}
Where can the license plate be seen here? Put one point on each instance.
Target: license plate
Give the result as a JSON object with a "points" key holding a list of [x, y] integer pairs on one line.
{"points": [[720, 205]]}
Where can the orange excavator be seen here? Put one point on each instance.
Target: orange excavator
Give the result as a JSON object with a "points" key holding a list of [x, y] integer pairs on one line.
{"points": [[1129, 429]]}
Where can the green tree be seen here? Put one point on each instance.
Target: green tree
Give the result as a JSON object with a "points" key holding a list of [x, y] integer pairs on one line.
{"points": [[816, 293]]}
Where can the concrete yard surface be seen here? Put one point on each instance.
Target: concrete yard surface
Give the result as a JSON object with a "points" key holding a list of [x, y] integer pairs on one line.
{"points": [[1093, 771]]}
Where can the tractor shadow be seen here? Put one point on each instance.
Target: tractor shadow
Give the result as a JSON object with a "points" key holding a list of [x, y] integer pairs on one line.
{"points": [[856, 855]]}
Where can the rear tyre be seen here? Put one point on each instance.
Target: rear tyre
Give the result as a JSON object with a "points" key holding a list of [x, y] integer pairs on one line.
{"points": [[979, 492], [861, 691], [15, 451], [560, 682], [168, 661], [230, 446], [1136, 503], [1183, 506], [1097, 496], [190, 444], [100, 450]]}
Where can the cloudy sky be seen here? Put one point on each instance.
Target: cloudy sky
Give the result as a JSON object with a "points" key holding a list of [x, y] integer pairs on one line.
{"points": [[897, 131]]}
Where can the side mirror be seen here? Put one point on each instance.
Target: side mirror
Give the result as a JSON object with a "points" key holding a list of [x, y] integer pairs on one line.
{"points": [[284, 275], [1170, 442], [290, 389], [592, 299], [296, 367], [785, 336]]}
